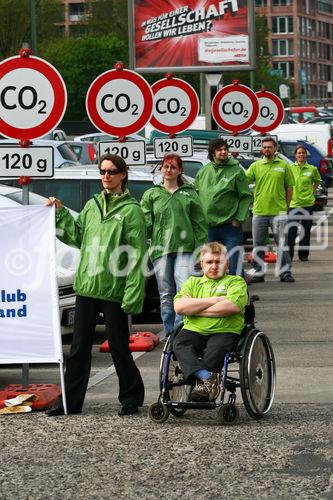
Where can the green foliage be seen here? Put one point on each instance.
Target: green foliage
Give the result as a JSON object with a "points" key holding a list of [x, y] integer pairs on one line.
{"points": [[15, 23], [80, 61]]}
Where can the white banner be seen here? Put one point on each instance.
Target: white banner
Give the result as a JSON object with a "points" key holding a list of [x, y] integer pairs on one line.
{"points": [[29, 308]]}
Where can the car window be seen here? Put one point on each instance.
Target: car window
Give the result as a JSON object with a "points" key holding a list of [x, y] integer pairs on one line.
{"points": [[77, 149], [67, 190], [137, 188], [289, 150], [191, 167], [66, 152]]}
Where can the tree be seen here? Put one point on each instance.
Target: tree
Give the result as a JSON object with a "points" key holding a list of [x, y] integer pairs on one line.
{"points": [[15, 23], [80, 61]]}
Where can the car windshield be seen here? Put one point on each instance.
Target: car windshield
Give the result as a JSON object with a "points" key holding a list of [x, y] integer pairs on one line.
{"points": [[66, 152]]}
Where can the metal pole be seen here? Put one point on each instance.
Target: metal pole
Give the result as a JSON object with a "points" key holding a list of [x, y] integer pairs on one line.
{"points": [[33, 26], [25, 366]]}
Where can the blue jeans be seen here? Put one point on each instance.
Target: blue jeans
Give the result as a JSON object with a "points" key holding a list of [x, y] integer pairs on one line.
{"points": [[279, 225], [171, 270], [232, 238]]}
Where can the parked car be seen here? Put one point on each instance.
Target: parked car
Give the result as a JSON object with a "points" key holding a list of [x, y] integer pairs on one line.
{"points": [[55, 135], [85, 151], [314, 157], [74, 186], [62, 153], [100, 136], [302, 113], [67, 259]]}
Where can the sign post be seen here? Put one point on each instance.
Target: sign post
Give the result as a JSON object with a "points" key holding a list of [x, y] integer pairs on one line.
{"points": [[33, 100], [270, 116], [176, 106], [119, 102], [235, 108]]}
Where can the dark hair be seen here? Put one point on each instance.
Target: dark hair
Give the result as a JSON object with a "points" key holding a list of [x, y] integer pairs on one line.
{"points": [[119, 163], [179, 161], [269, 138], [215, 144], [299, 146]]}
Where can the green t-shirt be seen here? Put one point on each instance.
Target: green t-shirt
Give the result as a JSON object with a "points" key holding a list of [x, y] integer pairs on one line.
{"points": [[272, 178], [305, 177], [231, 287]]}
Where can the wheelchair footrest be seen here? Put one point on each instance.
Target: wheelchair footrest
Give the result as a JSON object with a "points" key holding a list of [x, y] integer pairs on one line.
{"points": [[209, 405]]}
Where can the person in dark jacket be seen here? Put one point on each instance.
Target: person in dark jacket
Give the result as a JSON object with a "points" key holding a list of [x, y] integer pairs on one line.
{"points": [[111, 234]]}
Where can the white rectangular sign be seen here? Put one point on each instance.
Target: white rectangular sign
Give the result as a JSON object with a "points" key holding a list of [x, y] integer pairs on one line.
{"points": [[34, 161], [29, 308], [238, 143], [224, 49], [133, 152], [182, 146], [257, 142]]}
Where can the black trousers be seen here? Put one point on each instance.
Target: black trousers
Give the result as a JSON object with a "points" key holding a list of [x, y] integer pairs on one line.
{"points": [[195, 351], [303, 217], [78, 364]]}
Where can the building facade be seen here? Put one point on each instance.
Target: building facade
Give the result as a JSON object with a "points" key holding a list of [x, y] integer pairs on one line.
{"points": [[301, 44]]}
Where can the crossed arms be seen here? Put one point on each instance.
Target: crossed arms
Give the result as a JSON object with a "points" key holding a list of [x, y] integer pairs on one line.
{"points": [[213, 307]]}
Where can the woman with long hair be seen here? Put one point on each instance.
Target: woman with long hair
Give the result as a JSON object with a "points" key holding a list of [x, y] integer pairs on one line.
{"points": [[176, 227]]}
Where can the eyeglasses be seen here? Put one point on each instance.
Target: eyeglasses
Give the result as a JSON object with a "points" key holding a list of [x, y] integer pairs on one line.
{"points": [[109, 172]]}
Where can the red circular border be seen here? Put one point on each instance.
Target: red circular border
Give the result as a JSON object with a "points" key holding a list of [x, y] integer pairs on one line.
{"points": [[280, 107], [96, 86], [60, 97], [181, 84], [235, 88]]}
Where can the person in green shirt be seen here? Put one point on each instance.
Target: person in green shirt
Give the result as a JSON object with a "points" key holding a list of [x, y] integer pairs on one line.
{"points": [[110, 232], [307, 179], [213, 307], [226, 198], [272, 194], [176, 226]]}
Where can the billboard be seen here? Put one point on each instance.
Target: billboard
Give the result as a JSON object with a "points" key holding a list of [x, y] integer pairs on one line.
{"points": [[192, 35]]}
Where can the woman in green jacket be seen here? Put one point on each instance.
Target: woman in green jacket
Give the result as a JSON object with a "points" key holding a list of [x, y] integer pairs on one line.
{"points": [[307, 179], [111, 235], [176, 226]]}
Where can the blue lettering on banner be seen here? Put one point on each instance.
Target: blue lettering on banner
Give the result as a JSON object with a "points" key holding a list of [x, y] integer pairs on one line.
{"points": [[12, 312]]}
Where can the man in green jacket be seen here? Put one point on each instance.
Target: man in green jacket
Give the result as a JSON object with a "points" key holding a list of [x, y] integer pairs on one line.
{"points": [[225, 196], [111, 234], [272, 194]]}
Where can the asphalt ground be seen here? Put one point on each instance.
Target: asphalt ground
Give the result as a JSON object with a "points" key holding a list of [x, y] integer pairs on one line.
{"points": [[287, 454]]}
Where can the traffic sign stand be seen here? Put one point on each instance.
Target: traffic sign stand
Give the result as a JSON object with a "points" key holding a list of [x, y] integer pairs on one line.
{"points": [[176, 106], [119, 102], [271, 111], [235, 107], [33, 100]]}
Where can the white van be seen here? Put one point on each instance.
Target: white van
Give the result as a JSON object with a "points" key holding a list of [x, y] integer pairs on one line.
{"points": [[318, 134]]}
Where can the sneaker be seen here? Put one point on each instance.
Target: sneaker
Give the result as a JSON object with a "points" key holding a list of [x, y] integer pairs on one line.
{"points": [[207, 390], [287, 278]]}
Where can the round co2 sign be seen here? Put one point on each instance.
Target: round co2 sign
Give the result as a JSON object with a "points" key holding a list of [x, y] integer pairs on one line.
{"points": [[33, 97], [235, 107], [119, 102], [176, 105], [270, 112]]}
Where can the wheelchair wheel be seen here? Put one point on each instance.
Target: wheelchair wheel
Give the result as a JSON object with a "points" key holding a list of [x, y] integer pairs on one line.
{"points": [[228, 414], [158, 413], [257, 374], [176, 389]]}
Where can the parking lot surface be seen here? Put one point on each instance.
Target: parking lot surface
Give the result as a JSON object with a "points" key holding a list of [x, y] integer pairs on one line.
{"points": [[287, 454]]}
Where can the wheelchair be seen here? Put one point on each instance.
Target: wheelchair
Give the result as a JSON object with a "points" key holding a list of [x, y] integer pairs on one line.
{"points": [[250, 367]]}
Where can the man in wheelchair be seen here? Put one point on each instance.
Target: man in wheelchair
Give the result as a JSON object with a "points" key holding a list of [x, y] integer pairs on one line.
{"points": [[213, 307]]}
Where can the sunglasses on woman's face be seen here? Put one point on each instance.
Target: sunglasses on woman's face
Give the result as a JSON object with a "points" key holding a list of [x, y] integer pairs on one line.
{"points": [[109, 172]]}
